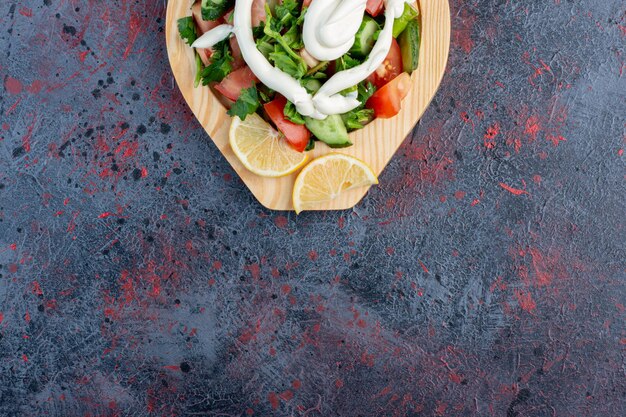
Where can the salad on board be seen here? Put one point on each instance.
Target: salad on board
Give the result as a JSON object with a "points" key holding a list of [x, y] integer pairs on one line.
{"points": [[314, 69]]}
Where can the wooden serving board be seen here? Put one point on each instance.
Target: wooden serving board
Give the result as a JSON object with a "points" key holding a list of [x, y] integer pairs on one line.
{"points": [[374, 144]]}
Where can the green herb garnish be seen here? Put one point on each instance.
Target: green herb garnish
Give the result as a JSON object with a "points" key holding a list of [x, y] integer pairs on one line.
{"points": [[247, 103]]}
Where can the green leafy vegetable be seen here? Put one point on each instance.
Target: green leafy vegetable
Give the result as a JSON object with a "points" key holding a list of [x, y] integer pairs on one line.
{"points": [[366, 89], [187, 29], [287, 13], [258, 31], [356, 119], [360, 116], [293, 37], [284, 61], [265, 47], [214, 9], [283, 55], [247, 103], [221, 64], [310, 146], [346, 62], [266, 94], [292, 114], [199, 68]]}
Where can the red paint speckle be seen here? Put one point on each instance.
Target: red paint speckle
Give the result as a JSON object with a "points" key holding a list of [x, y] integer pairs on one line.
{"points": [[255, 270], [544, 277], [462, 36], [338, 383], [489, 139], [286, 395], [514, 191], [525, 301], [555, 139], [273, 399], [441, 408], [13, 86], [134, 27], [533, 127], [25, 11], [281, 222], [423, 266], [35, 87], [459, 195]]}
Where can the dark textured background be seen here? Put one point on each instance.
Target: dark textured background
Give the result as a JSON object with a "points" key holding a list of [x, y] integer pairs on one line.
{"points": [[484, 276]]}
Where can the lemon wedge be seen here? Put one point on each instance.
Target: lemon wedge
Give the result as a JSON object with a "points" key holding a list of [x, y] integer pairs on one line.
{"points": [[325, 178], [262, 149]]}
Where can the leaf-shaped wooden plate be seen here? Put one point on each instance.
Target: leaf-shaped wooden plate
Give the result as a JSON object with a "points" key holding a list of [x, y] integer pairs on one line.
{"points": [[374, 144]]}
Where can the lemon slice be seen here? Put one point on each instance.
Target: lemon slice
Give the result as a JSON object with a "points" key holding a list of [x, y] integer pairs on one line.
{"points": [[325, 178], [262, 149]]}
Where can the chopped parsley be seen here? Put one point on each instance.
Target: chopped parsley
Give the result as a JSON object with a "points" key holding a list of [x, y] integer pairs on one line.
{"points": [[247, 103], [221, 64], [187, 30]]}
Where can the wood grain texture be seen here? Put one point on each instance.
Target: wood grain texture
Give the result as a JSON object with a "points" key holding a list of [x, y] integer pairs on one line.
{"points": [[374, 144]]}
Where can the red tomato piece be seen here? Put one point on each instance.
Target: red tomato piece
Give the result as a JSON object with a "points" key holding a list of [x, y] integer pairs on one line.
{"points": [[374, 7], [202, 25], [390, 68], [205, 56], [386, 101], [297, 135], [238, 61], [228, 17], [258, 12], [240, 79]]}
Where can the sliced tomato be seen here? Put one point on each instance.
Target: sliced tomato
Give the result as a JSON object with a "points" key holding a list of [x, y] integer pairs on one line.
{"points": [[386, 101], [297, 135], [202, 25], [390, 68], [306, 3], [258, 12], [374, 7], [228, 16], [240, 79], [238, 61], [205, 56]]}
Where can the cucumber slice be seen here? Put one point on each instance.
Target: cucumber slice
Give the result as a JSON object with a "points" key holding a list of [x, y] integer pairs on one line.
{"points": [[364, 38], [410, 46], [311, 85], [331, 131], [400, 23]]}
